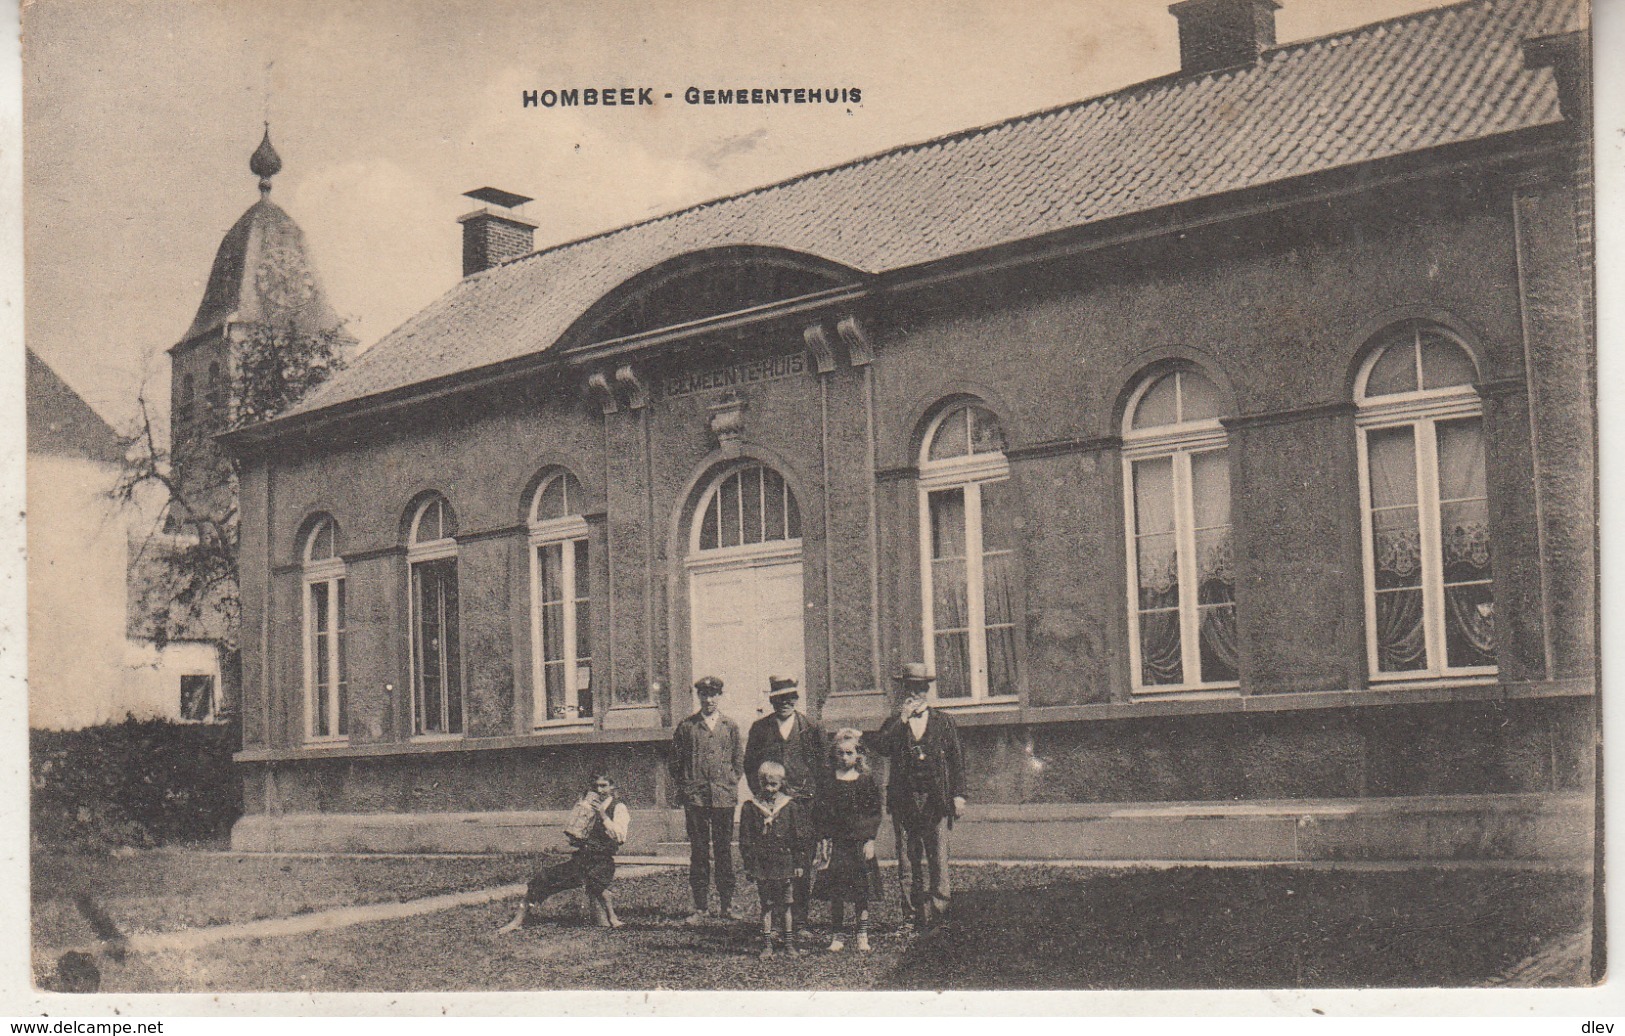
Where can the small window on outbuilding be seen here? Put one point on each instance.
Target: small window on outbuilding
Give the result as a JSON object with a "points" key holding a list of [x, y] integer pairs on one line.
{"points": [[197, 698]]}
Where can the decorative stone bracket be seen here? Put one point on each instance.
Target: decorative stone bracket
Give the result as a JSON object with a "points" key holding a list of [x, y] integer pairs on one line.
{"points": [[859, 348], [627, 387], [728, 421]]}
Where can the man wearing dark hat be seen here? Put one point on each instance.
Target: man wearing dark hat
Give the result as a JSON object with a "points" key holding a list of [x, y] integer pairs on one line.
{"points": [[707, 759], [789, 738], [925, 792]]}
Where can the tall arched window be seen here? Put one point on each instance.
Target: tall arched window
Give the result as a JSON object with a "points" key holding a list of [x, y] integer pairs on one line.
{"points": [[560, 603], [326, 679], [1182, 608], [437, 683], [967, 556], [217, 387], [1430, 607]]}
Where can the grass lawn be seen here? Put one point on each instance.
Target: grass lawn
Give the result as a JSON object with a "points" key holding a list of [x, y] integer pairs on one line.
{"points": [[1015, 927]]}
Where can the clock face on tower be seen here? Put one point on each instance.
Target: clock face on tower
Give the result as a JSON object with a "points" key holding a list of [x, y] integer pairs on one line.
{"points": [[283, 278]]}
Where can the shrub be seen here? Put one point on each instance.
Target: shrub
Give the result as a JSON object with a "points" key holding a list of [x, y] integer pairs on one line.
{"points": [[140, 783]]}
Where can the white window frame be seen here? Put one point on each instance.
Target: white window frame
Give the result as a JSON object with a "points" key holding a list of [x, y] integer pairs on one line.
{"points": [[326, 573], [969, 474], [1180, 443], [1421, 411], [418, 552], [564, 533]]}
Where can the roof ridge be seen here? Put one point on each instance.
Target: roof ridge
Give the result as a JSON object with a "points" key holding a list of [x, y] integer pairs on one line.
{"points": [[1144, 85]]}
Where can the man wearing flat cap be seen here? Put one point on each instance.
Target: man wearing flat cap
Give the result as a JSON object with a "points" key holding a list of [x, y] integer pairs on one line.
{"points": [[925, 792], [707, 759], [788, 737]]}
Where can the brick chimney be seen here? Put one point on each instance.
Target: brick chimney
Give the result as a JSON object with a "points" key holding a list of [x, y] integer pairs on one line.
{"points": [[1215, 34], [494, 233]]}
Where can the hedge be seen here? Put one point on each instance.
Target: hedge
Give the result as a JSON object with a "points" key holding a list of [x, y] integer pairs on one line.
{"points": [[140, 783]]}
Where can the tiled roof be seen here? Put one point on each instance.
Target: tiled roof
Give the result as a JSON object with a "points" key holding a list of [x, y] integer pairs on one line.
{"points": [[1440, 77], [61, 423]]}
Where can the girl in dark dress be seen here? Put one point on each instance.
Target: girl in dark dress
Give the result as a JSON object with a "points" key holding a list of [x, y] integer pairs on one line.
{"points": [[848, 817]]}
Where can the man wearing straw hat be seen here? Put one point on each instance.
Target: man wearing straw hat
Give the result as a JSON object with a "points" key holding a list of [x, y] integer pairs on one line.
{"points": [[925, 793]]}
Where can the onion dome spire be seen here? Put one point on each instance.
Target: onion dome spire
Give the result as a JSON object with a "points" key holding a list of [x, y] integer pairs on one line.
{"points": [[265, 162]]}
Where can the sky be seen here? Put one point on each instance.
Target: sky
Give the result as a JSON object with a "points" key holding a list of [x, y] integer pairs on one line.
{"points": [[139, 118]]}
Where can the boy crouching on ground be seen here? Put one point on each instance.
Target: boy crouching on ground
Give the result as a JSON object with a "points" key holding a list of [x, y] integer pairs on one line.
{"points": [[597, 831]]}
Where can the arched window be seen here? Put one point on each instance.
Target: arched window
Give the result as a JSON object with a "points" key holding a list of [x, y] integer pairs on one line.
{"points": [[1430, 606], [326, 678], [1176, 475], [560, 603], [967, 556], [437, 682], [751, 506]]}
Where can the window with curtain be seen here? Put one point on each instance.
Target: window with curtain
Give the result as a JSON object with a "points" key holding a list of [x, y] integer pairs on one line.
{"points": [[561, 604], [1182, 607], [1430, 605], [967, 564], [326, 679], [437, 684]]}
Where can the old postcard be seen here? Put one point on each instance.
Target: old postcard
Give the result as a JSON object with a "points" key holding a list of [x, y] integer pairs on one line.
{"points": [[580, 498]]}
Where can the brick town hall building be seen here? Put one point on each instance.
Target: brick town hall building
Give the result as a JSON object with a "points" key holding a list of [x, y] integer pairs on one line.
{"points": [[1225, 443]]}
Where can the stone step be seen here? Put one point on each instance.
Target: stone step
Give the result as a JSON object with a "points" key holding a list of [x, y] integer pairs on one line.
{"points": [[1555, 827]]}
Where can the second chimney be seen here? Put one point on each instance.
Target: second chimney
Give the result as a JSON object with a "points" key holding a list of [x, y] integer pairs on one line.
{"points": [[495, 233], [1215, 34]]}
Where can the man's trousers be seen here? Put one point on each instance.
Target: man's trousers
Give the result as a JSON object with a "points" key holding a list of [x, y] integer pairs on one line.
{"points": [[710, 838], [922, 864]]}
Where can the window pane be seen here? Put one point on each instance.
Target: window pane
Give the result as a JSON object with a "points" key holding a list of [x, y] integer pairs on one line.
{"points": [[321, 542], [948, 523], [583, 631], [709, 537], [953, 665], [1444, 363], [1464, 533], [342, 639], [1392, 460], [1158, 406], [1157, 565], [1001, 661], [794, 515], [985, 434], [1154, 496], [197, 698], [999, 592], [583, 573], [318, 607], [952, 438], [454, 676], [1396, 548], [949, 608], [319, 724], [553, 683], [750, 499], [1469, 625], [1461, 459], [583, 689], [553, 632], [1218, 643], [552, 503], [550, 572], [1160, 661], [999, 516], [1395, 369], [1199, 397], [1401, 644], [428, 647], [1210, 488], [773, 517], [730, 510]]}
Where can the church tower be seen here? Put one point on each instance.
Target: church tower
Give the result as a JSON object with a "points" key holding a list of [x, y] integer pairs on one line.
{"points": [[263, 281]]}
